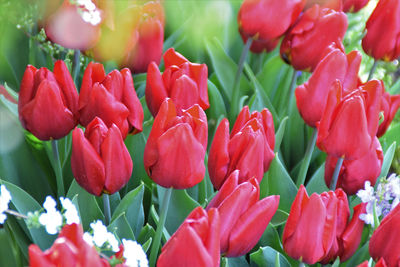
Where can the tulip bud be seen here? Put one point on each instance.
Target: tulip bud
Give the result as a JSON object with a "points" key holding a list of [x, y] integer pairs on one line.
{"points": [[383, 45], [249, 148], [305, 44], [354, 6], [100, 160], [175, 150], [110, 97], [266, 21], [182, 81], [48, 102], [195, 243]]}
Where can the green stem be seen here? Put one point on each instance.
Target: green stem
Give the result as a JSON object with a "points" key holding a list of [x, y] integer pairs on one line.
{"points": [[160, 227], [107, 210], [236, 83], [16, 214], [371, 72], [76, 65], [376, 219], [336, 174], [301, 264], [57, 168], [293, 84], [307, 158]]}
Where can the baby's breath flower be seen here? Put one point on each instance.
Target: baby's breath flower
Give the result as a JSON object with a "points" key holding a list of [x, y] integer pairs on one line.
{"points": [[5, 198], [134, 254], [51, 219], [71, 213]]}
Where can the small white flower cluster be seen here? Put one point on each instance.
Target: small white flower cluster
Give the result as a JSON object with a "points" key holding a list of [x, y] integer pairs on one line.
{"points": [[134, 254], [88, 10], [52, 219], [386, 197], [5, 198]]}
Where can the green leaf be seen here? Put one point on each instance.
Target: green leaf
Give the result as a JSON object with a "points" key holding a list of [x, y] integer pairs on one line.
{"points": [[279, 134], [237, 262], [7, 257], [266, 256], [87, 204], [217, 105], [147, 244], [271, 239], [131, 206], [121, 228], [21, 238], [279, 218], [387, 160], [317, 181], [146, 234]]}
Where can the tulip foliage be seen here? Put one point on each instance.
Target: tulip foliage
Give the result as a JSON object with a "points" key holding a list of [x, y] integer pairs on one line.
{"points": [[200, 133]]}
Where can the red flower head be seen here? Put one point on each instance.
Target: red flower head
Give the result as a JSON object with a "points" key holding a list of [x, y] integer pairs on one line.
{"points": [[182, 81], [266, 21], [354, 5], [110, 97], [244, 217], [383, 45], [249, 148], [48, 102], [389, 106], [332, 4], [175, 150], [305, 44], [100, 160]]}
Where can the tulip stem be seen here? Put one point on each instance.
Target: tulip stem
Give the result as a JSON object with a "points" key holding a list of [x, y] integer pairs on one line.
{"points": [[57, 168], [16, 214], [307, 158], [160, 227], [107, 210], [293, 84], [371, 72], [336, 174], [76, 65], [301, 264], [236, 88]]}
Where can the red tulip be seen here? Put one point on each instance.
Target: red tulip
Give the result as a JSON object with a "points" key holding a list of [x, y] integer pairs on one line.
{"points": [[385, 240], [305, 44], [363, 264], [69, 249], [381, 263], [100, 160], [389, 106], [354, 173], [349, 123], [175, 150], [266, 21], [195, 243], [311, 96], [244, 217], [182, 81], [48, 102], [110, 97], [354, 5], [249, 148], [384, 45], [332, 4]]}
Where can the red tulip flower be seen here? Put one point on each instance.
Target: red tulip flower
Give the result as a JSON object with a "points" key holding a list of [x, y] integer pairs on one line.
{"points": [[249, 148], [243, 216], [349, 123], [195, 243], [389, 106], [69, 249], [48, 102], [384, 45], [182, 81], [385, 240], [110, 97], [305, 44], [332, 4], [175, 150], [100, 160], [354, 173], [266, 21], [354, 5], [311, 96]]}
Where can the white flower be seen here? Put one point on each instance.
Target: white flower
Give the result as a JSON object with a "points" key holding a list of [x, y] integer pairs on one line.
{"points": [[88, 238], [100, 233], [51, 219], [366, 195], [113, 242], [71, 213], [134, 254], [367, 218], [5, 198]]}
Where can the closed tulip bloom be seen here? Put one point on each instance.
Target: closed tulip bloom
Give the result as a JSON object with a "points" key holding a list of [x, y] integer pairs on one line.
{"points": [[306, 42], [332, 4], [385, 240], [48, 102], [354, 173], [349, 123], [110, 97], [266, 21], [354, 5], [195, 243], [243, 216], [383, 45], [100, 160], [248, 148], [69, 249], [182, 81], [175, 150], [389, 106], [311, 96]]}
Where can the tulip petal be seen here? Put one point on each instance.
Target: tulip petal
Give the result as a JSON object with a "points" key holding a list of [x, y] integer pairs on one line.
{"points": [[155, 89], [94, 72], [132, 102], [67, 86], [171, 57], [227, 188], [184, 92]]}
